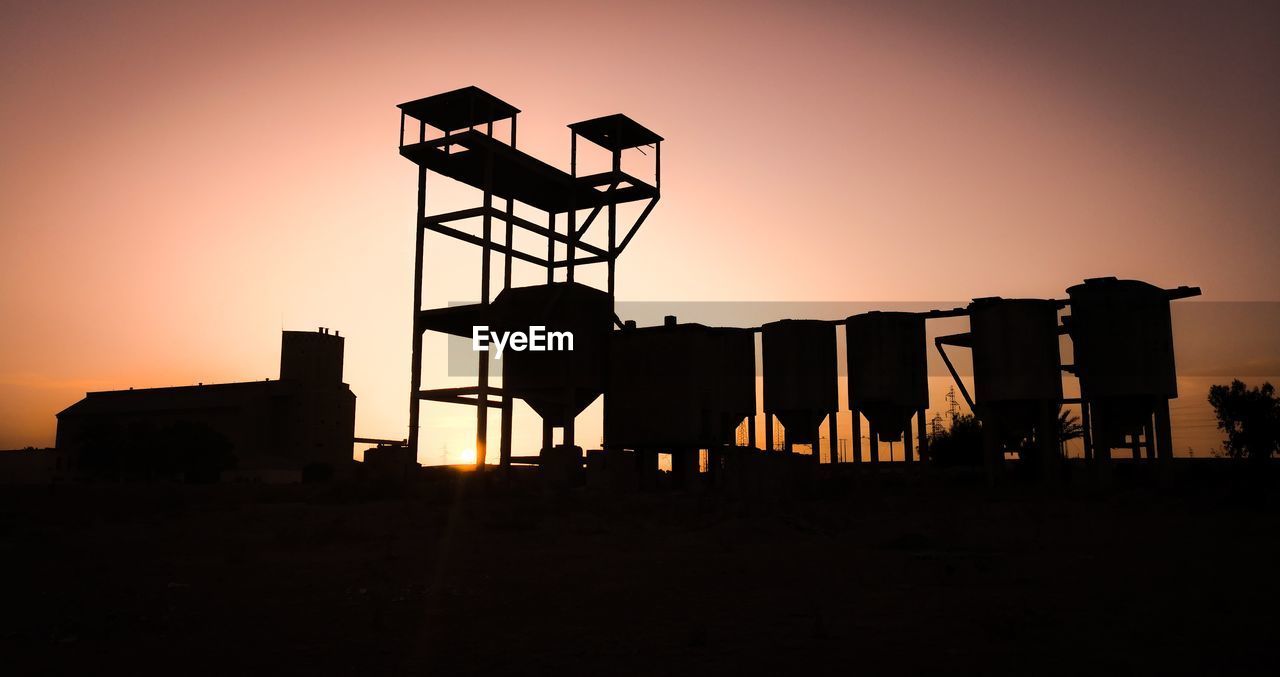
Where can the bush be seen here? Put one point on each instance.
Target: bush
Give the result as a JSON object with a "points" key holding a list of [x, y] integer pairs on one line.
{"points": [[959, 445]]}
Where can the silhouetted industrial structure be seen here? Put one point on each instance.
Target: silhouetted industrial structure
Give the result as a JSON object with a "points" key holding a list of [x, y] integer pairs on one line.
{"points": [[556, 386], [888, 378], [679, 388], [1122, 335], [1017, 375], [800, 387], [683, 389], [306, 418]]}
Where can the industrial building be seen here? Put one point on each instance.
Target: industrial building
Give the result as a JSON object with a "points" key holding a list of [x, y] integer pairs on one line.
{"points": [[686, 389], [271, 430]]}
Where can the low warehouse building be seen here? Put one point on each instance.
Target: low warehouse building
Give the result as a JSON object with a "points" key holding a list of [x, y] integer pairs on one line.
{"points": [[304, 422]]}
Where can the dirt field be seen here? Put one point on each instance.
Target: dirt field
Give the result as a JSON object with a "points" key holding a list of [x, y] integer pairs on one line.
{"points": [[923, 574]]}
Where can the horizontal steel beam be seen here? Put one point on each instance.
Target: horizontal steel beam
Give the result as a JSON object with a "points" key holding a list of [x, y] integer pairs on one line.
{"points": [[431, 396], [377, 440], [479, 242], [502, 216], [582, 261], [465, 390]]}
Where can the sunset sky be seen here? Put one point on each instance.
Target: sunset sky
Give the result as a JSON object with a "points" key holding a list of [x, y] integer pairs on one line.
{"points": [[178, 183]]}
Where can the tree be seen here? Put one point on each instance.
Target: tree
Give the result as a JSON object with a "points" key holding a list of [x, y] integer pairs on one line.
{"points": [[1250, 417], [960, 444], [1069, 428]]}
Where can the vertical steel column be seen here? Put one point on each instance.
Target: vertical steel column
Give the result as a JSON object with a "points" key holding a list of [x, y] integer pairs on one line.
{"points": [[751, 431], [921, 434], [1086, 430], [1047, 437], [657, 167], [856, 447], [768, 431], [873, 437], [834, 442], [907, 449], [482, 405], [613, 227], [992, 456], [573, 206], [1164, 442], [612, 246], [570, 420], [415, 359], [1101, 446], [1148, 437], [508, 406], [572, 254], [551, 248]]}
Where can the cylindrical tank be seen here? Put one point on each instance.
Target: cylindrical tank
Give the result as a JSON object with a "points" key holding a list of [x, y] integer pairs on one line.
{"points": [[1015, 350], [888, 379], [734, 380], [558, 384], [1122, 338], [800, 375], [678, 386]]}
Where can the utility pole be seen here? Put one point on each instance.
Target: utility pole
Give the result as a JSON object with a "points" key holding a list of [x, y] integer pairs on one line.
{"points": [[953, 407]]}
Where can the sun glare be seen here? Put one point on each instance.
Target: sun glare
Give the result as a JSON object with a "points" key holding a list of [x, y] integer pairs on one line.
{"points": [[465, 456]]}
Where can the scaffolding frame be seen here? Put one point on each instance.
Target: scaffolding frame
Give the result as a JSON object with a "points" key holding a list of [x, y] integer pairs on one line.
{"points": [[467, 152]]}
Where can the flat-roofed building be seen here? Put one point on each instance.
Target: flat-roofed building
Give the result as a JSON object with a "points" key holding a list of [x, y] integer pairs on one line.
{"points": [[304, 419]]}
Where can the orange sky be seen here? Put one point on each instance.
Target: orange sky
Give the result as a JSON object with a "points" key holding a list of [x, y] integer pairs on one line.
{"points": [[179, 183]]}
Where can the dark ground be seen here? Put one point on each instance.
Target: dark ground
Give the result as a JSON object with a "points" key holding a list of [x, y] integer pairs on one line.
{"points": [[928, 574]]}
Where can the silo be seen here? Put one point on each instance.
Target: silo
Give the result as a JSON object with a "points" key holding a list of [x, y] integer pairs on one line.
{"points": [[799, 377], [733, 380], [1015, 350], [1122, 338], [1017, 375], [678, 388], [657, 397], [888, 374], [557, 384]]}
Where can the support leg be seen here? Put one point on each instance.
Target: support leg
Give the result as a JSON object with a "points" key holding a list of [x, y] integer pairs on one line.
{"points": [[415, 359], [482, 413], [833, 443], [504, 451], [1148, 439], [856, 435], [1047, 439], [1164, 441], [992, 457], [1087, 436], [921, 435], [1101, 449]]}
